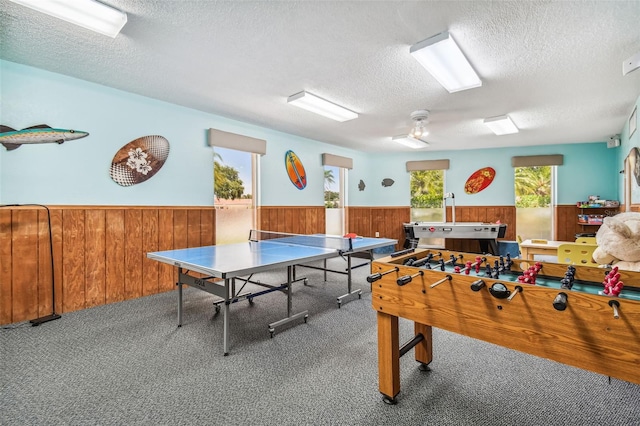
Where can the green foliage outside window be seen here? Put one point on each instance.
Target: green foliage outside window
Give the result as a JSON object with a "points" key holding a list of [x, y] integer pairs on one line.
{"points": [[533, 186], [427, 188]]}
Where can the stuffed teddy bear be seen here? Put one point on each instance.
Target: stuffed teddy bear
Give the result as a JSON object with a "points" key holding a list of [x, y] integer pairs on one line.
{"points": [[618, 241]]}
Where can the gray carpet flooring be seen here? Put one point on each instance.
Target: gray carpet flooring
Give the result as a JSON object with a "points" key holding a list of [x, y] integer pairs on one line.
{"points": [[128, 364]]}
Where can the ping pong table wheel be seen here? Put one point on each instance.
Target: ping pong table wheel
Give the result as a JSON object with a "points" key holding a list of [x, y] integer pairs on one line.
{"points": [[271, 332], [217, 309], [250, 299], [305, 318]]}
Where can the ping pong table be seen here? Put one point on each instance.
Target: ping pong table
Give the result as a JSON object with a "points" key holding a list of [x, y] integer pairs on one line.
{"points": [[226, 264]]}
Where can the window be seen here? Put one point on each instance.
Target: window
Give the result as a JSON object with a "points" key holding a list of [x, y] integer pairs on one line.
{"points": [[533, 191], [427, 193], [534, 181], [335, 192], [233, 181]]}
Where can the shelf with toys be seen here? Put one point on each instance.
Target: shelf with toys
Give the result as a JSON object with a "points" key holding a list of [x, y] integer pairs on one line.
{"points": [[591, 213]]}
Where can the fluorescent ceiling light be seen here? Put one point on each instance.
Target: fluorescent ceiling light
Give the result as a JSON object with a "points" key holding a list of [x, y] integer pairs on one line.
{"points": [[320, 106], [410, 142], [501, 125], [442, 57], [89, 14]]}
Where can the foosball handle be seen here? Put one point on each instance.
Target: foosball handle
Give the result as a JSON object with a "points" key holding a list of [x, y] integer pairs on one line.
{"points": [[478, 285], [406, 279], [375, 277], [560, 302]]}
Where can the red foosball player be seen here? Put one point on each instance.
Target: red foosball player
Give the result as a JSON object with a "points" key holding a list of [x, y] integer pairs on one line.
{"points": [[456, 269], [467, 267], [612, 284]]}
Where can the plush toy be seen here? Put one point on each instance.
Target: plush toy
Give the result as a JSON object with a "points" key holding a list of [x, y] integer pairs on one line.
{"points": [[618, 241]]}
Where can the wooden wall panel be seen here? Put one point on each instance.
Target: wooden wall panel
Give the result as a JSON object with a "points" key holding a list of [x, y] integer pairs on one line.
{"points": [[114, 262], [99, 254], [24, 254], [566, 220], [133, 253], [56, 230], [167, 274], [292, 219], [45, 276], [180, 229], [95, 256], [207, 227], [73, 260], [6, 298], [149, 244], [386, 221]]}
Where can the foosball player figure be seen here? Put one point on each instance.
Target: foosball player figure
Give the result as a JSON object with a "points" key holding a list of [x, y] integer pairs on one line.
{"points": [[456, 269], [468, 266], [441, 264], [612, 284]]}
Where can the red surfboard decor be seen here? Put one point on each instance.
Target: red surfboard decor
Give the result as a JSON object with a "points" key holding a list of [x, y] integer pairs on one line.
{"points": [[295, 170], [479, 180], [139, 160]]}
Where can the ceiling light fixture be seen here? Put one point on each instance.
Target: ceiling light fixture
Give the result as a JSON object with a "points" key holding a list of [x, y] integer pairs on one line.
{"points": [[419, 117], [501, 125], [442, 57], [411, 142], [89, 14], [321, 106]]}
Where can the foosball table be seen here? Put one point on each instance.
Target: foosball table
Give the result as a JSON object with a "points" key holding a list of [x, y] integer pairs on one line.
{"points": [[582, 316]]}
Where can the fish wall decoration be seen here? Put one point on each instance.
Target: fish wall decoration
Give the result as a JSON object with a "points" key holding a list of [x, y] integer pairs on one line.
{"points": [[42, 133], [387, 182], [361, 185]]}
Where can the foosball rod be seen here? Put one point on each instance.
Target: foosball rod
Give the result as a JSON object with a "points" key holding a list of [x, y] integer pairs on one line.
{"points": [[615, 305], [447, 278], [375, 277], [517, 290]]}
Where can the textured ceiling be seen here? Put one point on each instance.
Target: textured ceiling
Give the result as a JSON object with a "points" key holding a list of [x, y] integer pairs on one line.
{"points": [[554, 66]]}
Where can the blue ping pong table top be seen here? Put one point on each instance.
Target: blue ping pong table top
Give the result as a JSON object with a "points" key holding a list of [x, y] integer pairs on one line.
{"points": [[239, 259]]}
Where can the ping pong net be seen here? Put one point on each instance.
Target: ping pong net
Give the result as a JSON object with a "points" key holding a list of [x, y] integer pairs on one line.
{"points": [[334, 242]]}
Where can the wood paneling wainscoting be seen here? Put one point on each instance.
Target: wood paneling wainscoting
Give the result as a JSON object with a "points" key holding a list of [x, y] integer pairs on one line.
{"points": [[292, 219], [99, 254], [387, 221]]}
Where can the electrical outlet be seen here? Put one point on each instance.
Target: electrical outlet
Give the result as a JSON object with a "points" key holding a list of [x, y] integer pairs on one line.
{"points": [[377, 234]]}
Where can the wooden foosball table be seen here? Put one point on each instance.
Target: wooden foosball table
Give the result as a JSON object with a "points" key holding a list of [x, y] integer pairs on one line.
{"points": [[555, 311]]}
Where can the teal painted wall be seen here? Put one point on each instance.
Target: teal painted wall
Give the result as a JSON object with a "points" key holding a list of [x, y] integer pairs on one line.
{"points": [[77, 172]]}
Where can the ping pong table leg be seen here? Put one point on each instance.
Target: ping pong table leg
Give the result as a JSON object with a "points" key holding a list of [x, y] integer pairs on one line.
{"points": [[179, 299], [289, 318], [350, 293], [225, 321]]}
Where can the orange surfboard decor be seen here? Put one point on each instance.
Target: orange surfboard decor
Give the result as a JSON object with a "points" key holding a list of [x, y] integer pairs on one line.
{"points": [[479, 180], [295, 170]]}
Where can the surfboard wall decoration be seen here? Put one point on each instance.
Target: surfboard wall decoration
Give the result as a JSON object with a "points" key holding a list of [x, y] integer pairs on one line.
{"points": [[139, 160], [295, 170], [479, 180]]}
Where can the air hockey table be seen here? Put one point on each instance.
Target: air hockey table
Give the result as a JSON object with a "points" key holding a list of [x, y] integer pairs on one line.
{"points": [[578, 326], [486, 234]]}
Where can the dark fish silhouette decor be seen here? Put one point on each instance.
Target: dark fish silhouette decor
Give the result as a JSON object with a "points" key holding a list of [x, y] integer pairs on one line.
{"points": [[361, 185], [387, 182]]}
